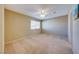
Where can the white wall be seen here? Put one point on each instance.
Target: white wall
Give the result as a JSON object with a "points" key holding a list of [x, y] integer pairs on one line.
{"points": [[1, 28], [57, 25]]}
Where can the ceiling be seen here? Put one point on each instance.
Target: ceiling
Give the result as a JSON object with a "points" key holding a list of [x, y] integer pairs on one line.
{"points": [[53, 10]]}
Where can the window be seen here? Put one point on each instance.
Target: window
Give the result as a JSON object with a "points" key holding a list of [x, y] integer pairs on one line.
{"points": [[35, 24]]}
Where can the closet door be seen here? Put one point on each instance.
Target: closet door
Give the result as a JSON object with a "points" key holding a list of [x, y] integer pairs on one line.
{"points": [[76, 36]]}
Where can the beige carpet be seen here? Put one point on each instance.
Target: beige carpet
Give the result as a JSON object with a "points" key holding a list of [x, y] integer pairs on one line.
{"points": [[40, 44]]}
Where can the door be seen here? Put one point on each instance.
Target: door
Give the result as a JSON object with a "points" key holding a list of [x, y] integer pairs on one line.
{"points": [[76, 36]]}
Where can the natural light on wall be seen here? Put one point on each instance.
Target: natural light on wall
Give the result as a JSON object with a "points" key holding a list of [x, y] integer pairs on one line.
{"points": [[35, 24]]}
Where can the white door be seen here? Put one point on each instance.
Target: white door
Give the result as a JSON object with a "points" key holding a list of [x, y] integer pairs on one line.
{"points": [[76, 36]]}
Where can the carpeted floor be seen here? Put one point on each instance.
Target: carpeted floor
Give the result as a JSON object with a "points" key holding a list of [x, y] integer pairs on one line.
{"points": [[40, 44]]}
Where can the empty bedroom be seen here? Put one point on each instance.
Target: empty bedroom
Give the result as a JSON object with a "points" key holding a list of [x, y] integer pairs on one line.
{"points": [[37, 29]]}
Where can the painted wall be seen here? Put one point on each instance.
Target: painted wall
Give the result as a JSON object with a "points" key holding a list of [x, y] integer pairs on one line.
{"points": [[17, 25], [1, 28], [57, 25]]}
